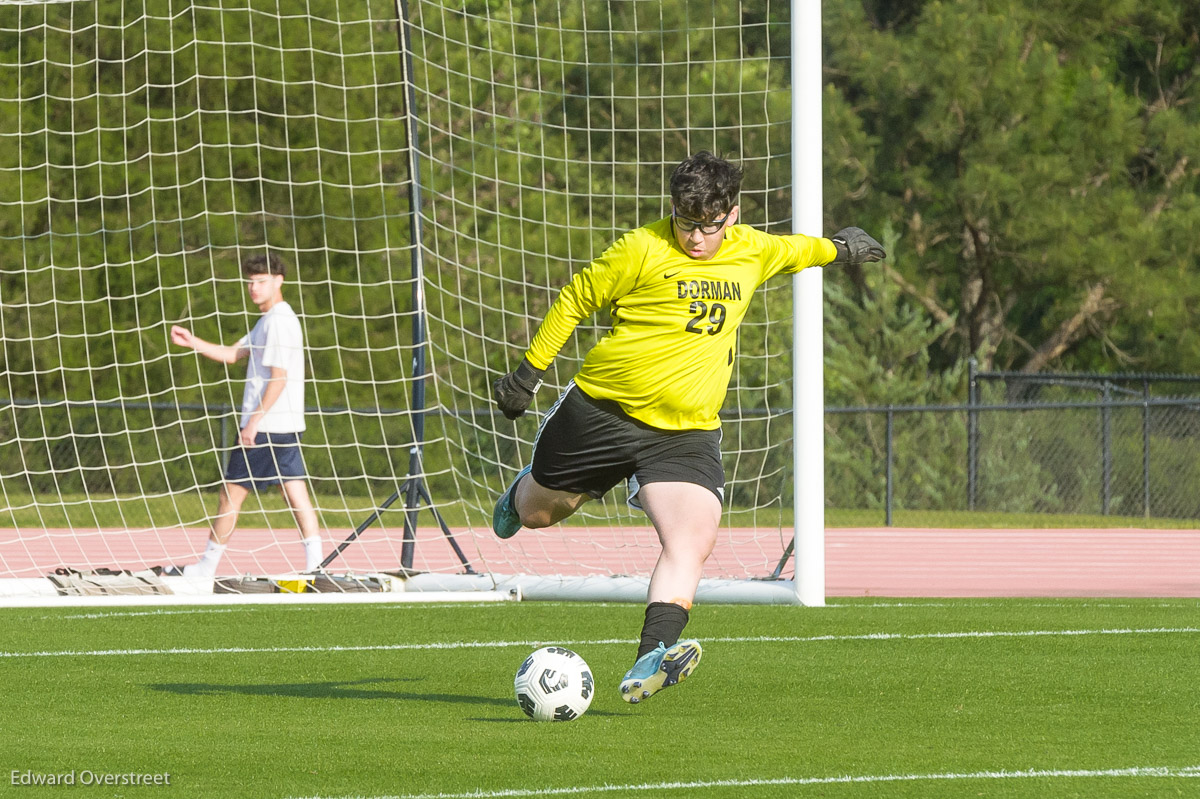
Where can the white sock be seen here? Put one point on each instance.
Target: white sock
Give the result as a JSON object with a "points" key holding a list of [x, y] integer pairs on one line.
{"points": [[312, 553], [207, 565]]}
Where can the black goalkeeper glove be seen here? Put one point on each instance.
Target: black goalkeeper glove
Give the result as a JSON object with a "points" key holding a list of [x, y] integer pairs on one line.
{"points": [[855, 246], [515, 390]]}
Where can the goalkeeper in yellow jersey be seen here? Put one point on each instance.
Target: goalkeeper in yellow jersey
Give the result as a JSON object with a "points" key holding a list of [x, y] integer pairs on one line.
{"points": [[644, 406]]}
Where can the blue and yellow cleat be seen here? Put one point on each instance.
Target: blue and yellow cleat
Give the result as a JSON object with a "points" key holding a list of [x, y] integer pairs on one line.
{"points": [[505, 521], [659, 669]]}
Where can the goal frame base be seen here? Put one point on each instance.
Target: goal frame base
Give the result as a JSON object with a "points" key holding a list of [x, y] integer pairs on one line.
{"points": [[560, 588]]}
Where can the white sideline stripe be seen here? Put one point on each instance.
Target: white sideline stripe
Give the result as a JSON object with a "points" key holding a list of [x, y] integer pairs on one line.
{"points": [[970, 634], [1140, 771], [492, 603], [374, 598], [247, 609], [489, 605], [835, 605], [753, 639], [128, 613], [275, 650]]}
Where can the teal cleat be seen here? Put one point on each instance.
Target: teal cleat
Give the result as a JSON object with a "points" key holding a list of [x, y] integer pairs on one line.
{"points": [[660, 669], [505, 521]]}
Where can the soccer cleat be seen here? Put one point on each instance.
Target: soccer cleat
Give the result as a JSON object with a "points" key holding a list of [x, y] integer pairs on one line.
{"points": [[505, 521], [659, 669]]}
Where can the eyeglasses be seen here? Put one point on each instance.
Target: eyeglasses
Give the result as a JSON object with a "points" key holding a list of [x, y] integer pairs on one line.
{"points": [[686, 225]]}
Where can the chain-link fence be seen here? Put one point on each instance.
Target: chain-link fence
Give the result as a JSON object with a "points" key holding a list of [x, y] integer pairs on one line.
{"points": [[1130, 450], [1127, 458], [1125, 445], [1061, 444]]}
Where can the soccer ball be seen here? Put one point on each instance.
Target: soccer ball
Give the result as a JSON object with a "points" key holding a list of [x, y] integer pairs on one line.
{"points": [[554, 684]]}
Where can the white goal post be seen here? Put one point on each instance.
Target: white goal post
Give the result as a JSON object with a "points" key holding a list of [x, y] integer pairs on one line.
{"points": [[432, 175]]}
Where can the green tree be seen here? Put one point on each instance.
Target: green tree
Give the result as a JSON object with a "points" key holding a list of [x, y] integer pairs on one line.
{"points": [[1041, 160], [878, 347]]}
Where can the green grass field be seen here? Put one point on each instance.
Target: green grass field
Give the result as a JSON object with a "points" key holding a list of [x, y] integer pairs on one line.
{"points": [[926, 698]]}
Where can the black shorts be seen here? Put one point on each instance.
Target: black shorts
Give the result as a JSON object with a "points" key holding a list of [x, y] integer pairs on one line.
{"points": [[274, 458], [587, 446]]}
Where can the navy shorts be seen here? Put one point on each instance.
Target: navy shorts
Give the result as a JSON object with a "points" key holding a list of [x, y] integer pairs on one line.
{"points": [[587, 446], [275, 458]]}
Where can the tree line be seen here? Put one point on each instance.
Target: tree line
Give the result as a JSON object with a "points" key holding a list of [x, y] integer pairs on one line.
{"points": [[1032, 168]]}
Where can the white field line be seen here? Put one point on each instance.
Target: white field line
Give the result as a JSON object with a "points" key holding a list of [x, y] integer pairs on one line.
{"points": [[1141, 771], [1189, 604], [834, 605], [449, 645], [111, 614]]}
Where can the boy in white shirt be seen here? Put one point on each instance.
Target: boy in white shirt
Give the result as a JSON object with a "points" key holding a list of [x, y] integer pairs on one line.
{"points": [[272, 415]]}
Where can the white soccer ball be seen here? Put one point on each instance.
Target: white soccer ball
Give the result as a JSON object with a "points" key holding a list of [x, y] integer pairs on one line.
{"points": [[554, 684]]}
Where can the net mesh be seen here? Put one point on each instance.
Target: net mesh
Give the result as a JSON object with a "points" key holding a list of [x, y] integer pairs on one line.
{"points": [[150, 146], [573, 117]]}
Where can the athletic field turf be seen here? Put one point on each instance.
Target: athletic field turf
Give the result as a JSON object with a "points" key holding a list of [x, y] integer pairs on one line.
{"points": [[866, 697]]}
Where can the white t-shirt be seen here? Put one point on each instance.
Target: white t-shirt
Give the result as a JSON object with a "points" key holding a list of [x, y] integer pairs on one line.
{"points": [[278, 341]]}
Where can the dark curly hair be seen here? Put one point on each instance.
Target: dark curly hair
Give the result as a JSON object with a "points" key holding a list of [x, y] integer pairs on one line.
{"points": [[705, 186], [264, 264]]}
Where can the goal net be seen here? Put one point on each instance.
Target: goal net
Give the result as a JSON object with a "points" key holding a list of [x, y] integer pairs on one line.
{"points": [[433, 175]]}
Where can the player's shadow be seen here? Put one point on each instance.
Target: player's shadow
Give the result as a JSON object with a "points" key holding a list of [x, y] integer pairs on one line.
{"points": [[357, 689]]}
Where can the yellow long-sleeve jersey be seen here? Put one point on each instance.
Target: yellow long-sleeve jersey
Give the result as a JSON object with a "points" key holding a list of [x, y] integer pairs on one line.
{"points": [[668, 358]]}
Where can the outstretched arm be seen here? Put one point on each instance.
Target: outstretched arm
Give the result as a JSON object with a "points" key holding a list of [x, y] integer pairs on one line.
{"points": [[217, 352], [856, 246]]}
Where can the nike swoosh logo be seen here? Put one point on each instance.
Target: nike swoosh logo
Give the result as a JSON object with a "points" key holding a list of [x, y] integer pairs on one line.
{"points": [[669, 275]]}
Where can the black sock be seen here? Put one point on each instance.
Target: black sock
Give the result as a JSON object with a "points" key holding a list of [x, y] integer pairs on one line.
{"points": [[664, 623]]}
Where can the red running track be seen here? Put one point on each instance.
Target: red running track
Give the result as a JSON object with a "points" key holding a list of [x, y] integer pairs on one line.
{"points": [[998, 563], [885, 562]]}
